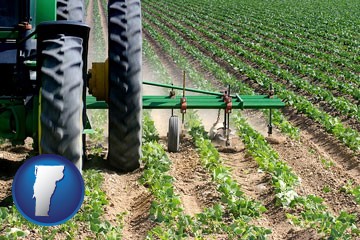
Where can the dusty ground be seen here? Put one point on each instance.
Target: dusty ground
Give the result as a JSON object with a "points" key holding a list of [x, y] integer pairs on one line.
{"points": [[192, 182]]}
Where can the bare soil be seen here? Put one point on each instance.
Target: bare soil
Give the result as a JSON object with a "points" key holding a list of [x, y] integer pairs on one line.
{"points": [[192, 182], [127, 195]]}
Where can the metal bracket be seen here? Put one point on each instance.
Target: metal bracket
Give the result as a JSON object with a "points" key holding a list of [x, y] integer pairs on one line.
{"points": [[228, 100], [183, 100], [183, 105], [172, 95], [270, 126]]}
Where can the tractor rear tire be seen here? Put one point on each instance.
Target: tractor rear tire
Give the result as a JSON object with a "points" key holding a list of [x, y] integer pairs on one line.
{"points": [[61, 103], [125, 97], [74, 10], [71, 10]]}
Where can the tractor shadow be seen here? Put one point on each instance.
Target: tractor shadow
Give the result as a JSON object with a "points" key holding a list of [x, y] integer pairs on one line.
{"points": [[11, 159], [100, 162], [96, 161], [13, 156], [7, 201], [8, 168]]}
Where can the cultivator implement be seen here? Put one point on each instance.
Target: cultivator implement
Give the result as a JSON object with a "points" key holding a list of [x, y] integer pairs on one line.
{"points": [[203, 100], [209, 100]]}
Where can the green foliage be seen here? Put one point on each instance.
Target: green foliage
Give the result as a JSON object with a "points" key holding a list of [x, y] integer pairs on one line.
{"points": [[353, 190], [284, 180], [13, 225], [327, 164], [314, 213], [149, 132], [326, 189], [231, 195]]}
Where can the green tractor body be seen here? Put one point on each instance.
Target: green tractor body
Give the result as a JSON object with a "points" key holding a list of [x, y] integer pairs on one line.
{"points": [[19, 86], [27, 29]]}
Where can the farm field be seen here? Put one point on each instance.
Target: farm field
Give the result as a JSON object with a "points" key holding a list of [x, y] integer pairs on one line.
{"points": [[303, 182]]}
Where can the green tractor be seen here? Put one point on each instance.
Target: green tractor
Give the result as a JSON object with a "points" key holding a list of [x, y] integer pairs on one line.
{"points": [[44, 77], [43, 65]]}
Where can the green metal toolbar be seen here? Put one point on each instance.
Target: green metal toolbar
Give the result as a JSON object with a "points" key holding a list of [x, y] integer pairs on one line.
{"points": [[210, 100], [199, 102]]}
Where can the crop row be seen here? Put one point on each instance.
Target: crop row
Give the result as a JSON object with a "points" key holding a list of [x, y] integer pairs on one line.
{"points": [[233, 201], [340, 104], [314, 213], [348, 136], [104, 5], [282, 177], [343, 48], [258, 31], [353, 190], [166, 208], [312, 18], [275, 53]]}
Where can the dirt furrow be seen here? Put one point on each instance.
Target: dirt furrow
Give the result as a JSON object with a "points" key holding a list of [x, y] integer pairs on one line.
{"points": [[192, 182], [257, 185], [127, 196]]}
